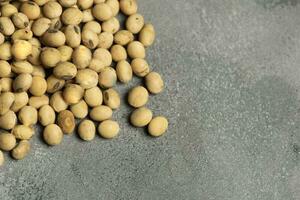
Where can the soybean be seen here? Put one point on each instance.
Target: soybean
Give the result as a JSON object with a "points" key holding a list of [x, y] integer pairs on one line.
{"points": [[112, 98], [53, 135], [7, 141], [154, 83], [66, 121], [141, 117], [93, 97], [138, 96], [101, 113], [80, 109], [21, 150], [28, 115], [108, 129], [158, 126], [46, 115], [87, 130]]}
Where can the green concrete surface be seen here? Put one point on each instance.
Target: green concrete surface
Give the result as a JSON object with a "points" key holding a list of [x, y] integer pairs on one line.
{"points": [[232, 73]]}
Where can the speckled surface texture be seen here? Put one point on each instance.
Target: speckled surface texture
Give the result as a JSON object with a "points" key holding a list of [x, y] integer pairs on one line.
{"points": [[232, 71]]}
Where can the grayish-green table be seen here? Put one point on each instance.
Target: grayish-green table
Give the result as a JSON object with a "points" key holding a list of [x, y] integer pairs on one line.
{"points": [[232, 72]]}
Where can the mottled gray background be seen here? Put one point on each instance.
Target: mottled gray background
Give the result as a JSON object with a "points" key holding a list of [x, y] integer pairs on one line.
{"points": [[232, 71]]}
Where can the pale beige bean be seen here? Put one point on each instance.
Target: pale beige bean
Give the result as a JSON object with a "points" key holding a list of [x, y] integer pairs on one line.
{"points": [[141, 117], [54, 84], [52, 9], [21, 150], [6, 101], [85, 4], [124, 71], [123, 37], [2, 38], [5, 69], [57, 102], [108, 129], [28, 115], [53, 135], [5, 51], [6, 84], [87, 130], [20, 20], [118, 53], [140, 67], [6, 26], [114, 5], [111, 98], [92, 26], [101, 113], [112, 25], [87, 15], [82, 57], [102, 11], [106, 40], [65, 71], [87, 78], [22, 34], [30, 9], [22, 67], [66, 53], [38, 70], [56, 24], [154, 83], [22, 83], [72, 16], [35, 42], [41, 2], [93, 97], [21, 49], [7, 141], [158, 126], [73, 35], [147, 35], [8, 10], [73, 93], [90, 39], [96, 65], [107, 77], [67, 3], [104, 56], [38, 86], [138, 97], [80, 109], [46, 115], [38, 101], [1, 158], [23, 132], [8, 120], [136, 49], [128, 7], [34, 57], [21, 100], [66, 121], [54, 38], [50, 57], [135, 23]]}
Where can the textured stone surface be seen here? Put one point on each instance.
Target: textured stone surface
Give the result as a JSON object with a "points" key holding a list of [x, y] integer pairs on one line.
{"points": [[232, 74]]}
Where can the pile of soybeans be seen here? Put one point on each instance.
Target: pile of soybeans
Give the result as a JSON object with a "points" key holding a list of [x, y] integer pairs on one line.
{"points": [[60, 61]]}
